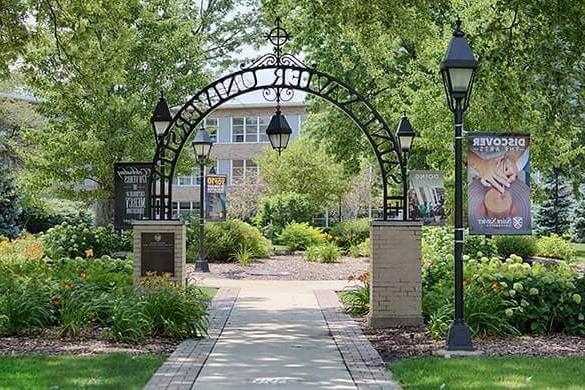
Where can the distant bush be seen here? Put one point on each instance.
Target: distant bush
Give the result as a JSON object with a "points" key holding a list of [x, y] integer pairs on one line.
{"points": [[300, 236], [324, 253], [223, 241], [348, 233], [523, 246], [555, 247], [39, 215], [81, 240], [276, 211], [360, 250]]}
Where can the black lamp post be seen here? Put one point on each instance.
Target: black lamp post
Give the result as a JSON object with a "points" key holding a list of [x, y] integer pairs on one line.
{"points": [[405, 136], [278, 131], [202, 146], [458, 70], [160, 120]]}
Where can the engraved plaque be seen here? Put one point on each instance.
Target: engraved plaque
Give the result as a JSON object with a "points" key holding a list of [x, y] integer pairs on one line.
{"points": [[158, 253]]}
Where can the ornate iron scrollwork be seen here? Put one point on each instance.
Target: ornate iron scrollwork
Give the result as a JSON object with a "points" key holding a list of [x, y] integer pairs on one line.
{"points": [[289, 74]]}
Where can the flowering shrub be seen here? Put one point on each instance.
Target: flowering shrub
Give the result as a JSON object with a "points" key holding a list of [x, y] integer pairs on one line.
{"points": [[66, 240], [356, 299], [502, 297], [79, 296], [555, 247]]}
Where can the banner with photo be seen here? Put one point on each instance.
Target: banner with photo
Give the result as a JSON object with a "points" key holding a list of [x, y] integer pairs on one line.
{"points": [[132, 192], [426, 197], [498, 167], [215, 197]]}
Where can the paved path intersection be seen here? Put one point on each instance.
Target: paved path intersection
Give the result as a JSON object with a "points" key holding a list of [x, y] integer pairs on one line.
{"points": [[276, 334]]}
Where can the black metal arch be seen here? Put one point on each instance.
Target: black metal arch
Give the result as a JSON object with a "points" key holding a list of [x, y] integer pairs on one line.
{"points": [[278, 75]]}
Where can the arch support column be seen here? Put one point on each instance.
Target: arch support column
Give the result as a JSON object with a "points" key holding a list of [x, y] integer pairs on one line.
{"points": [[395, 274]]}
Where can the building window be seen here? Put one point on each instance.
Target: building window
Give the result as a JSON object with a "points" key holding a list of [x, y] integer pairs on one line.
{"points": [[184, 181], [242, 169], [250, 129], [238, 129], [211, 125]]}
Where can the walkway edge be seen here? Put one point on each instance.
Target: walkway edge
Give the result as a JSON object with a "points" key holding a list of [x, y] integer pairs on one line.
{"points": [[183, 367], [363, 362]]}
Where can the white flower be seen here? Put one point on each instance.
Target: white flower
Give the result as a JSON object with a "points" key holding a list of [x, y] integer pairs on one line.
{"points": [[509, 312], [533, 291]]}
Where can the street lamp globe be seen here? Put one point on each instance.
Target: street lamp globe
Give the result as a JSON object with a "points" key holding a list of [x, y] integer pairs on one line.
{"points": [[278, 132], [202, 144], [161, 118], [458, 69], [405, 134]]}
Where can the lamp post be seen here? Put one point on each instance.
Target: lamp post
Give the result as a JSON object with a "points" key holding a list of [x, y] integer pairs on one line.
{"points": [[405, 135], [160, 120], [202, 147], [458, 71]]}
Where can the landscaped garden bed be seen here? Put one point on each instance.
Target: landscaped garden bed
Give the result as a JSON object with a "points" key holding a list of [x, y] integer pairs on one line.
{"points": [[55, 301]]}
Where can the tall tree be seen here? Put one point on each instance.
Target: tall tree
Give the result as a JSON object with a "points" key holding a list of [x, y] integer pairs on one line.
{"points": [[98, 67], [553, 215], [530, 80]]}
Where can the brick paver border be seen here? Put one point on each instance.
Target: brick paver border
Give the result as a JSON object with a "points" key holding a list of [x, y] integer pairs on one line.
{"points": [[182, 368], [363, 362]]}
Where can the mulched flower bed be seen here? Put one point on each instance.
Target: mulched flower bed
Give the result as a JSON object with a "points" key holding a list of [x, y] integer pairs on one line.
{"points": [[290, 267], [47, 344], [402, 342]]}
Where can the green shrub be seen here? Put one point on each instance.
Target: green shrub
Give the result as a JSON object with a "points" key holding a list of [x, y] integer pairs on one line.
{"points": [[39, 215], [173, 311], [24, 305], [348, 233], [479, 246], [277, 211], [82, 240], [299, 236], [501, 297], [224, 239], [323, 253], [130, 324], [523, 246], [555, 247], [244, 256], [356, 299], [360, 250]]}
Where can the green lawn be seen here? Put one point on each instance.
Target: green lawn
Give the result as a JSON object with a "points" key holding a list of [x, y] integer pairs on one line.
{"points": [[112, 371], [491, 373], [580, 255]]}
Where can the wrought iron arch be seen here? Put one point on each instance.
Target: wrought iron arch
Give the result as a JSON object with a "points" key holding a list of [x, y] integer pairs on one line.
{"points": [[286, 74]]}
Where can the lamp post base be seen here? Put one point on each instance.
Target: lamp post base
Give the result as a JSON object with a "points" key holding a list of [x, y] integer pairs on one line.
{"points": [[459, 337], [201, 266]]}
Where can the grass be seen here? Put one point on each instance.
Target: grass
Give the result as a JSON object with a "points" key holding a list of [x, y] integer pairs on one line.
{"points": [[210, 291], [580, 252], [110, 371], [491, 373]]}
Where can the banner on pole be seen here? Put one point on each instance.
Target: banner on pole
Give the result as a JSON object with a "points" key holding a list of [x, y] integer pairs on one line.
{"points": [[499, 183], [215, 197], [426, 197], [132, 191]]}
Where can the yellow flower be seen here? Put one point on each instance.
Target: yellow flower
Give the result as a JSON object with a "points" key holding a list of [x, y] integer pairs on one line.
{"points": [[89, 253]]}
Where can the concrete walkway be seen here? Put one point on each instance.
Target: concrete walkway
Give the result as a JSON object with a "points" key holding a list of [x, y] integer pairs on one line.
{"points": [[276, 336]]}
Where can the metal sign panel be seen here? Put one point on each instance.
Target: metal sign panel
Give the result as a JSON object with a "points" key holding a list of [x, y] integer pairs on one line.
{"points": [[132, 191], [157, 253], [499, 183]]}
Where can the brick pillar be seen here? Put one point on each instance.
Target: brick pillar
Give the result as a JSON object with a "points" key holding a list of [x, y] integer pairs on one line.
{"points": [[395, 274], [176, 264]]}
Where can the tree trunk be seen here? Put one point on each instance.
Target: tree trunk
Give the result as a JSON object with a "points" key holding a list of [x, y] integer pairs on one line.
{"points": [[104, 212]]}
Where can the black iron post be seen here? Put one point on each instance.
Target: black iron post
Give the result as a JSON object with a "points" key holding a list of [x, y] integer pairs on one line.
{"points": [[201, 265], [459, 336]]}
